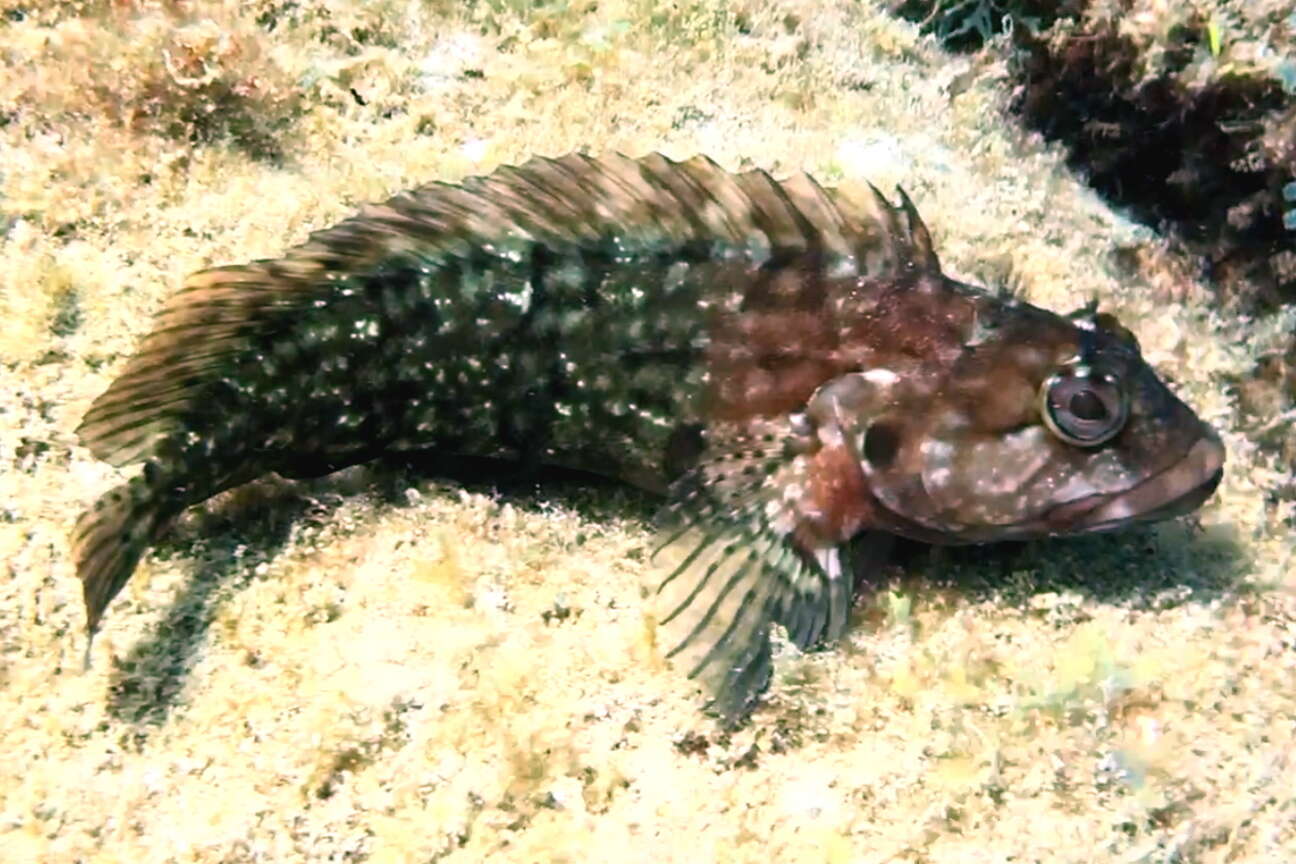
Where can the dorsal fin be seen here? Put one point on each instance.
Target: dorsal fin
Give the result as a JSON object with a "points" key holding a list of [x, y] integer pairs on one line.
{"points": [[651, 205], [907, 244]]}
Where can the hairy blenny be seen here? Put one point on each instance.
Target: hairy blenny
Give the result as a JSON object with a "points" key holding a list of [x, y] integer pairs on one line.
{"points": [[789, 366]]}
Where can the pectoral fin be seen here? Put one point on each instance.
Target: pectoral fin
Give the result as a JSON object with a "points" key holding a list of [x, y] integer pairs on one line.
{"points": [[727, 584]]}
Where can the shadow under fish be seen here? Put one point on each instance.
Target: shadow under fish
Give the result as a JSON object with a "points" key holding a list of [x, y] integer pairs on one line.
{"points": [[785, 363]]}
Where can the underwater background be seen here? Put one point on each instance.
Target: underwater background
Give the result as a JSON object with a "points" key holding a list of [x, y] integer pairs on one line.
{"points": [[386, 665]]}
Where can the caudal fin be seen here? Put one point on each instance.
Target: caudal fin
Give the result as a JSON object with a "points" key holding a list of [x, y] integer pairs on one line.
{"points": [[108, 541]]}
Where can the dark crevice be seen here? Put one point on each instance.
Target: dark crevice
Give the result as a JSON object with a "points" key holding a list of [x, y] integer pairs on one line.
{"points": [[1206, 163]]}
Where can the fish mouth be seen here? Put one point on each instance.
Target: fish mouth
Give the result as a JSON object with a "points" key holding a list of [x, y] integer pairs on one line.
{"points": [[1175, 491]]}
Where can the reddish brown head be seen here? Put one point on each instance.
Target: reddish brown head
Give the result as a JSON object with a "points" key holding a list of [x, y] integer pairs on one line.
{"points": [[1011, 422]]}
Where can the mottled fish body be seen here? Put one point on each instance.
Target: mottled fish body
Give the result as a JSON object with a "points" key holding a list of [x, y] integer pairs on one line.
{"points": [[788, 365]]}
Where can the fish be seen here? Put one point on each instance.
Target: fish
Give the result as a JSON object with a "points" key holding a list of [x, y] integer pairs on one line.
{"points": [[785, 364]]}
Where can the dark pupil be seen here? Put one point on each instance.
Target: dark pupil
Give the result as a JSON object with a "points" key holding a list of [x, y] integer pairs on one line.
{"points": [[1085, 405]]}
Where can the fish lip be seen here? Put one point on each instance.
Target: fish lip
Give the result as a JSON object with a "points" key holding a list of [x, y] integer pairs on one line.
{"points": [[1179, 489]]}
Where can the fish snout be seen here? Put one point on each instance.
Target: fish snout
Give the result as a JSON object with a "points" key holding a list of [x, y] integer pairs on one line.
{"points": [[1179, 489]]}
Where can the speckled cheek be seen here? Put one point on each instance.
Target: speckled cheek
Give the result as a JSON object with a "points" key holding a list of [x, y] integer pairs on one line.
{"points": [[987, 480], [1102, 473]]}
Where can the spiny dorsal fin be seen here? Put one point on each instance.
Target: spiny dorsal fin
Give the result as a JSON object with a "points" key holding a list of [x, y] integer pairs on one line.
{"points": [[907, 243], [651, 205]]}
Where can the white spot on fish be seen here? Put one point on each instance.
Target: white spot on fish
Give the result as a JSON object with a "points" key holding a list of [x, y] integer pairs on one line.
{"points": [[880, 377], [844, 267], [938, 477], [1119, 509], [830, 435], [521, 298], [936, 452]]}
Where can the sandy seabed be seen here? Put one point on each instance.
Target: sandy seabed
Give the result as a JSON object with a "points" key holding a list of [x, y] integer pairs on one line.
{"points": [[383, 666]]}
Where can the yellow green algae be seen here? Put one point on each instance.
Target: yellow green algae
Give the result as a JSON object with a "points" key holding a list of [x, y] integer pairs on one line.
{"points": [[386, 667]]}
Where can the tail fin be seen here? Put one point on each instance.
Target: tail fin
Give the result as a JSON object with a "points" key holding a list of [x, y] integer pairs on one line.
{"points": [[109, 540]]}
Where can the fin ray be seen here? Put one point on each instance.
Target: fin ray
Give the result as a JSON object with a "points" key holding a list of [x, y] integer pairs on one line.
{"points": [[109, 540], [731, 584], [737, 569]]}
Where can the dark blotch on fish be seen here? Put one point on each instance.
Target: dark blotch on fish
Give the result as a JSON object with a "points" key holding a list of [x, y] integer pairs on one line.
{"points": [[787, 364]]}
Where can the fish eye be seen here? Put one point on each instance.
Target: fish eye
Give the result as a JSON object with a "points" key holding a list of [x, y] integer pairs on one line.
{"points": [[1084, 408]]}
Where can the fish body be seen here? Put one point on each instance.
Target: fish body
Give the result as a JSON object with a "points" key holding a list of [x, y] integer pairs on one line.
{"points": [[786, 364]]}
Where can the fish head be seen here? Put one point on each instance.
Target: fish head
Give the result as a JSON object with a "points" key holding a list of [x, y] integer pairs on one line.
{"points": [[1035, 425]]}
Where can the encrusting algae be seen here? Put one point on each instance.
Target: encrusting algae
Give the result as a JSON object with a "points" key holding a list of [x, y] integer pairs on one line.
{"points": [[786, 364]]}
